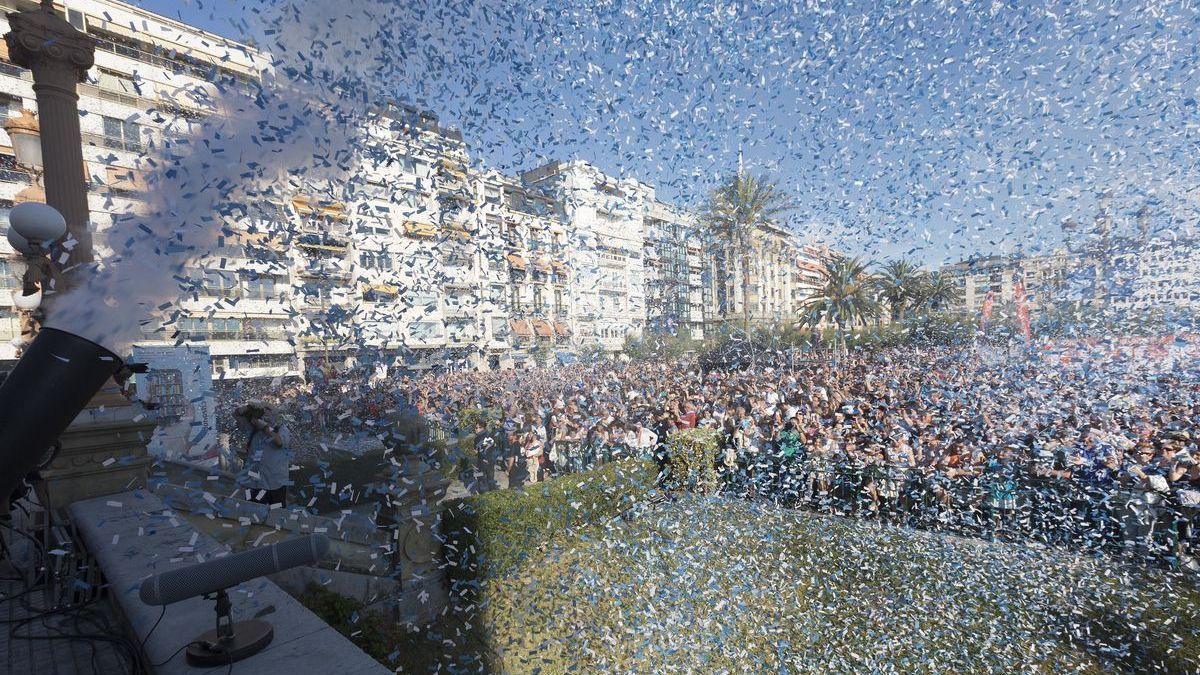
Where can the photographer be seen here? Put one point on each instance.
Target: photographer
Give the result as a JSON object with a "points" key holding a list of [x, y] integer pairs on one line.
{"points": [[265, 465]]}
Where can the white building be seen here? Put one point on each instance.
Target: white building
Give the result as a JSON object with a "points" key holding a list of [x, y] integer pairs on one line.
{"points": [[674, 264], [156, 78], [605, 226]]}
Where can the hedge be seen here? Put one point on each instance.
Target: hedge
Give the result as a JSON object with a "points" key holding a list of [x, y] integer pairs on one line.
{"points": [[488, 535]]}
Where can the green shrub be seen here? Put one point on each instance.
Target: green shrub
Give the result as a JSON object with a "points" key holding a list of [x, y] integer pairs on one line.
{"points": [[490, 539], [398, 646], [489, 534], [693, 454]]}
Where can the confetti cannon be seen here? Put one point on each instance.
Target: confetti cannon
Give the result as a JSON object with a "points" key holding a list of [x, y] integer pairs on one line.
{"points": [[52, 382]]}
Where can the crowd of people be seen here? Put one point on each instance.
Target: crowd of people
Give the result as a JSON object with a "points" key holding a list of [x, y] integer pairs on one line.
{"points": [[1092, 444], [1084, 444]]}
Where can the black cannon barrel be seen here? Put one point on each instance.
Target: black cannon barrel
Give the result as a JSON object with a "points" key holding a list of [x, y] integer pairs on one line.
{"points": [[52, 382]]}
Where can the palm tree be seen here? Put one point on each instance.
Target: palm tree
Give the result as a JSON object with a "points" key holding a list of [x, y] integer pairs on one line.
{"points": [[938, 291], [733, 213], [846, 298], [900, 283]]}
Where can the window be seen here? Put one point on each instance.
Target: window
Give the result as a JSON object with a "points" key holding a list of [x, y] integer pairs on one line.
{"points": [[496, 295], [377, 260], [8, 273], [514, 299], [260, 288], [499, 328], [75, 18], [538, 304], [10, 106], [5, 207], [113, 82], [10, 325], [165, 388], [558, 301], [11, 173], [425, 330], [122, 135], [219, 284]]}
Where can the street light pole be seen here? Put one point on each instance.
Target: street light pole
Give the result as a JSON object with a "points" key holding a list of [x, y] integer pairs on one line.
{"points": [[59, 57]]}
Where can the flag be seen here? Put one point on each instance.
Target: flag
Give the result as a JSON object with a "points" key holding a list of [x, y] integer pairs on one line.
{"points": [[988, 301], [1022, 300]]}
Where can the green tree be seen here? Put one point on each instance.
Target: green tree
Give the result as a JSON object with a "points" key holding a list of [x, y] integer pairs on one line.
{"points": [[734, 211], [937, 292], [846, 298], [900, 284]]}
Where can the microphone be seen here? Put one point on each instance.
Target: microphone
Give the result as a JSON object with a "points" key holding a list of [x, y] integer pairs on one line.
{"points": [[227, 571]]}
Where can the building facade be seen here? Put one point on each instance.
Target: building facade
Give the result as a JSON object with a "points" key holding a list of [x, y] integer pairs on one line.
{"points": [[783, 274], [673, 260], [430, 262], [604, 219]]}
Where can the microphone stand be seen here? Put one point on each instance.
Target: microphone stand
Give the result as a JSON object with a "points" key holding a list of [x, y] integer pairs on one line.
{"points": [[230, 641]]}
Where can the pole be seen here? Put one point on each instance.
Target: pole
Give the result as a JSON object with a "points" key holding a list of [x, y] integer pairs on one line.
{"points": [[59, 57]]}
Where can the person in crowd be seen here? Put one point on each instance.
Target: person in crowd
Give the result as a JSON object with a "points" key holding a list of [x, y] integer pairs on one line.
{"points": [[930, 436], [267, 456]]}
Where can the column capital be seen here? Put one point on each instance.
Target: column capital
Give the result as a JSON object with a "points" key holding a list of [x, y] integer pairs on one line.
{"points": [[40, 37]]}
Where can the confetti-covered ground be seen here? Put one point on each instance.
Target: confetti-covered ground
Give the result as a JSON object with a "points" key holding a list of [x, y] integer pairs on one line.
{"points": [[724, 585]]}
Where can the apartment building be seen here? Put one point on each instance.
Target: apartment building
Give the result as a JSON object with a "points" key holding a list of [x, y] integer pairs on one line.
{"points": [[428, 262], [778, 284], [530, 273], [1047, 279], [807, 275], [156, 78], [674, 264], [604, 219]]}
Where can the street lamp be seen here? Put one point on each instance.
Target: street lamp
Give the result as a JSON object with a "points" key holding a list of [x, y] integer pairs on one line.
{"points": [[32, 228], [26, 137], [59, 57]]}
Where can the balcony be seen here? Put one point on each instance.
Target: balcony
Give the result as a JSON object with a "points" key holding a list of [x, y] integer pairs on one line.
{"points": [[247, 336], [326, 267]]}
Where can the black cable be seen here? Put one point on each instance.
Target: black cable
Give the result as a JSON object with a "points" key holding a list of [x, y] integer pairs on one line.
{"points": [[126, 648], [142, 646], [168, 660]]}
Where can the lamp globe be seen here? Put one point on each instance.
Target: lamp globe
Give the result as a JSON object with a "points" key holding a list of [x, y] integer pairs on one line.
{"points": [[36, 222], [20, 244]]}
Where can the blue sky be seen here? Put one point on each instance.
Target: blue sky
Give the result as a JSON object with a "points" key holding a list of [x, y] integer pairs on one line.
{"points": [[924, 129]]}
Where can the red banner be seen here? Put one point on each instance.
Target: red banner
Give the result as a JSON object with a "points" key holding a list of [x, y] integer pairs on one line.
{"points": [[989, 301]]}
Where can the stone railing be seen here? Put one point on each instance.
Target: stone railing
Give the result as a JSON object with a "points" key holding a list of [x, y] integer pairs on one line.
{"points": [[132, 535]]}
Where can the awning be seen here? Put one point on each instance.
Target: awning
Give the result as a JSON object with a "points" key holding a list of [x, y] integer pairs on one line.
{"points": [[543, 328], [561, 329], [303, 205], [324, 247], [516, 261], [541, 264], [334, 210], [383, 288], [520, 328], [558, 265], [414, 228]]}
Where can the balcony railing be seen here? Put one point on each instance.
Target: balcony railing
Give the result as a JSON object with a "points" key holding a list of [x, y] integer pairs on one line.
{"points": [[252, 336], [112, 142]]}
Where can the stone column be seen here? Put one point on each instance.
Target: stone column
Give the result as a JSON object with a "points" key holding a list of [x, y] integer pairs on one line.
{"points": [[59, 57]]}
